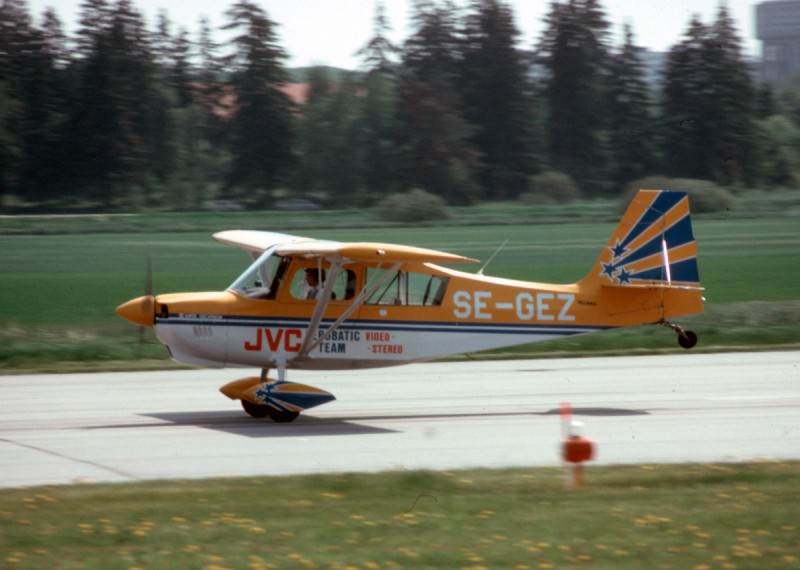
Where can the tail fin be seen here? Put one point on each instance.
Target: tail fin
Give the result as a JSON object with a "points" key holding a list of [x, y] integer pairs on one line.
{"points": [[653, 245]]}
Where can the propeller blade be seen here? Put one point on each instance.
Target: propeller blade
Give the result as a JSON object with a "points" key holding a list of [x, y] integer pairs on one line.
{"points": [[148, 277]]}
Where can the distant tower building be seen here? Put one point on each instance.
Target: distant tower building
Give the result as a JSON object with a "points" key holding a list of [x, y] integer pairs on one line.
{"points": [[778, 27]]}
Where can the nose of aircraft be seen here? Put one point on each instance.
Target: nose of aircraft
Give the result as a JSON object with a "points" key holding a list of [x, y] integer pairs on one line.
{"points": [[139, 311]]}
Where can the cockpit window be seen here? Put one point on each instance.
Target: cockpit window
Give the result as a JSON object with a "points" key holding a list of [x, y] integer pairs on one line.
{"points": [[308, 281], [263, 278], [407, 288]]}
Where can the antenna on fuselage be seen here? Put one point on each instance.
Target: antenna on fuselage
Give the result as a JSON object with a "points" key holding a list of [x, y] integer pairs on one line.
{"points": [[488, 261]]}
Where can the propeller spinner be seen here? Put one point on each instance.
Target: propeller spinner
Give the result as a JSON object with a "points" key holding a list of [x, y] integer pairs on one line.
{"points": [[141, 310]]}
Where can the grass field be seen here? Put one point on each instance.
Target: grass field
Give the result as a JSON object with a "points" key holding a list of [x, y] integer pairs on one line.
{"points": [[58, 292], [60, 281], [744, 516]]}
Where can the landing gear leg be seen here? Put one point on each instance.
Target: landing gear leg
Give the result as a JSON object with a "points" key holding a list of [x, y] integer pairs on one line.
{"points": [[276, 415], [687, 339]]}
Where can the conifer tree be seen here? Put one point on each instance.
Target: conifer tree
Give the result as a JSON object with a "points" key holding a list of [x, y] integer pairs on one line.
{"points": [[736, 104], [434, 138], [686, 106], [261, 127], [16, 36], [709, 106], [633, 132], [378, 55], [497, 99], [330, 156], [379, 127], [574, 53]]}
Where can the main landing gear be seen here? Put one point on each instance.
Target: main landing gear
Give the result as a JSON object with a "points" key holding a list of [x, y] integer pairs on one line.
{"points": [[687, 339], [264, 411], [279, 400]]}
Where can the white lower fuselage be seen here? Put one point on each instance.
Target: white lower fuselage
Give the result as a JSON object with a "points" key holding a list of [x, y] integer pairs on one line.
{"points": [[263, 342]]}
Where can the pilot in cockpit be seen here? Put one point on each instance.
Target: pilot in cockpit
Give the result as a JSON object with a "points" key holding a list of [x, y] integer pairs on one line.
{"points": [[312, 284]]}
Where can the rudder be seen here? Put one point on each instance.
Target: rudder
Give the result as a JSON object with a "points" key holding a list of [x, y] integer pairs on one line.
{"points": [[653, 244]]}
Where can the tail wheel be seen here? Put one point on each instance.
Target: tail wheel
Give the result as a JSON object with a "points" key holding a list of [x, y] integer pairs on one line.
{"points": [[687, 339], [281, 416], [255, 410]]}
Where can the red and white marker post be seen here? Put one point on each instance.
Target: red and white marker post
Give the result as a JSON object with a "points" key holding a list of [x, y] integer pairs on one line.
{"points": [[575, 448]]}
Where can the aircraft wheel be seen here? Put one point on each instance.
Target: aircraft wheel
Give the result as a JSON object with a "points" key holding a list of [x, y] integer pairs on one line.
{"points": [[255, 410], [687, 340], [282, 417]]}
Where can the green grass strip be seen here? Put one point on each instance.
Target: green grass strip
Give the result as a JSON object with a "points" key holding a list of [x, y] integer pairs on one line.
{"points": [[733, 516]]}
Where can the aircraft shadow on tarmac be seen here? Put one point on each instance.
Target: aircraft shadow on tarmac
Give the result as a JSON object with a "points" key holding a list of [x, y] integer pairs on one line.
{"points": [[610, 412], [237, 424], [311, 426]]}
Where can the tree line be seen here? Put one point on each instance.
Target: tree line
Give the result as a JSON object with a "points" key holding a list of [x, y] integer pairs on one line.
{"points": [[120, 116]]}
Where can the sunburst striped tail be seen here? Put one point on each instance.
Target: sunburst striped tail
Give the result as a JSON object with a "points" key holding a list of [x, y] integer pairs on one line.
{"points": [[653, 245]]}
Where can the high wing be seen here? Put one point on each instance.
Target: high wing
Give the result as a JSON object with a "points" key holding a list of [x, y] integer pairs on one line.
{"points": [[257, 242], [337, 254], [368, 252]]}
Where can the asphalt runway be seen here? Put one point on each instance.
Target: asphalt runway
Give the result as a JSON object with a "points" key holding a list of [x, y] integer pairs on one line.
{"points": [[114, 427]]}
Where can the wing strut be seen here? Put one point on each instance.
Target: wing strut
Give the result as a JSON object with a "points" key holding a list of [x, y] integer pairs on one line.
{"points": [[322, 304], [365, 294]]}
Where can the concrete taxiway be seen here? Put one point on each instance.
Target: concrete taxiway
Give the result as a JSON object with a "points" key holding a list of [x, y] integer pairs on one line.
{"points": [[113, 427]]}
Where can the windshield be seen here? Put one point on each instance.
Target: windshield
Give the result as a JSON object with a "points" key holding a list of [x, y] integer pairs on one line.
{"points": [[263, 278]]}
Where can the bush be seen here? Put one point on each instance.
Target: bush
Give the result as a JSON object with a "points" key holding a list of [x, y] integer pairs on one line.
{"points": [[704, 196], [653, 182], [551, 188], [416, 205]]}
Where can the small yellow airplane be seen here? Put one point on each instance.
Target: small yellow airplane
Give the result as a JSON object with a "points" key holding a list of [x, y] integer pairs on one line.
{"points": [[326, 305]]}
